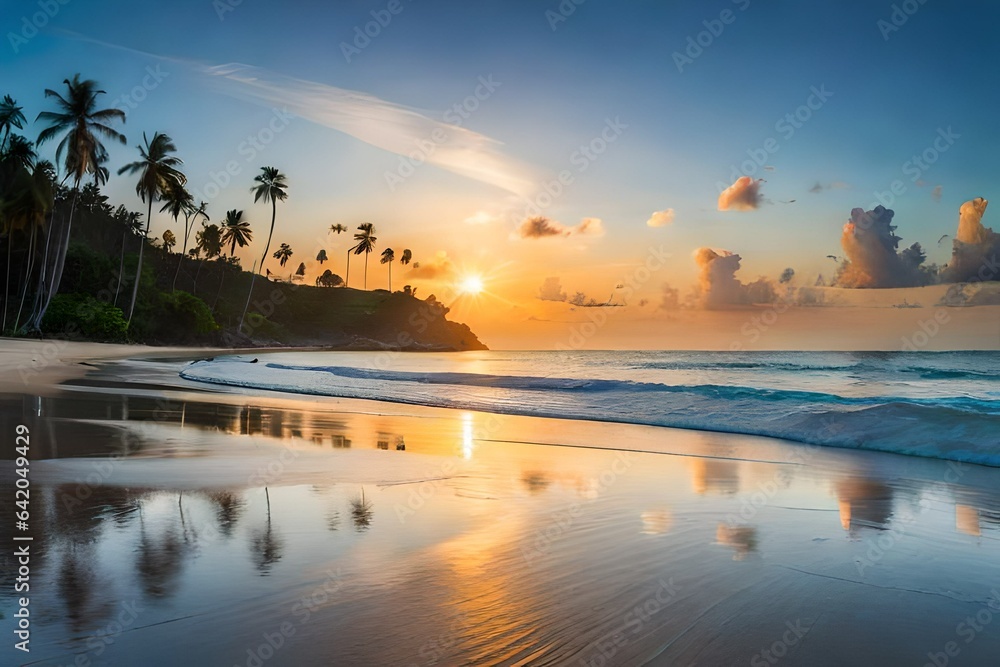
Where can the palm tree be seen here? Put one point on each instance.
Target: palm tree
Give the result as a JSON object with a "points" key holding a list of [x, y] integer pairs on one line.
{"points": [[177, 201], [82, 124], [387, 258], [208, 241], [191, 214], [338, 228], [366, 243], [10, 116], [158, 174], [405, 258], [131, 223], [169, 240], [270, 187], [283, 253], [26, 197], [321, 257], [235, 231]]}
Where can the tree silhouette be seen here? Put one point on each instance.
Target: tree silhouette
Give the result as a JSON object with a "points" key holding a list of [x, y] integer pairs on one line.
{"points": [[387, 258], [366, 243]]}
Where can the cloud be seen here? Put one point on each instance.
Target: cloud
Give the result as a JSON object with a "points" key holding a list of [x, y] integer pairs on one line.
{"points": [[669, 297], [661, 218], [870, 243], [480, 218], [743, 195], [551, 290], [540, 227], [718, 286], [975, 248], [387, 125], [835, 185], [936, 192], [439, 266]]}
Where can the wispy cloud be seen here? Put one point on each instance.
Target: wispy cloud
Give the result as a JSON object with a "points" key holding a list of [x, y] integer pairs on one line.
{"points": [[386, 125]]}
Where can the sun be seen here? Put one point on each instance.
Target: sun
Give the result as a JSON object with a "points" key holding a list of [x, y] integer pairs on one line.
{"points": [[471, 285]]}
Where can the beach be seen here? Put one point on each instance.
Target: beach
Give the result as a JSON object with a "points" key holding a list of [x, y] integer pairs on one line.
{"points": [[182, 522]]}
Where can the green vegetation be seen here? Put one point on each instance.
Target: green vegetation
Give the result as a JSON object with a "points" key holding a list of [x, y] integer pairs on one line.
{"points": [[78, 267]]}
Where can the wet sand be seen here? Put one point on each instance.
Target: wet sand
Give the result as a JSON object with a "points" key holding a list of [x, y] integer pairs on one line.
{"points": [[179, 523]]}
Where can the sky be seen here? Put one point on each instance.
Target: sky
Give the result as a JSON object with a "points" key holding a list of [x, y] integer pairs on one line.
{"points": [[595, 115]]}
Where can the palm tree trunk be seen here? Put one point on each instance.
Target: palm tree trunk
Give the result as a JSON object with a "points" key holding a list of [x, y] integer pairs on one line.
{"points": [[57, 267], [221, 281], [121, 265], [253, 279], [180, 260], [366, 270], [27, 275], [6, 289], [138, 268], [347, 281], [390, 277], [267, 246], [37, 299], [194, 286]]}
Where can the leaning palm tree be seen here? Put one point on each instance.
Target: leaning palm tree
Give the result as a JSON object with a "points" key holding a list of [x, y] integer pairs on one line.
{"points": [[191, 212], [271, 186], [81, 152], [11, 116], [283, 254], [158, 173], [177, 201], [387, 258], [366, 243]]}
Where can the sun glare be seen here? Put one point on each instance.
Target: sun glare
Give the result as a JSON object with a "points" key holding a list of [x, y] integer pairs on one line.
{"points": [[471, 285]]}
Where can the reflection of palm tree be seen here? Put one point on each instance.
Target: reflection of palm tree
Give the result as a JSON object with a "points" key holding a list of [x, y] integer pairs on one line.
{"points": [[159, 561], [265, 544], [361, 512]]}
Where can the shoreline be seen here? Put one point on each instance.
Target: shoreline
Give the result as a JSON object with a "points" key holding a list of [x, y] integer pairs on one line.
{"points": [[221, 512]]}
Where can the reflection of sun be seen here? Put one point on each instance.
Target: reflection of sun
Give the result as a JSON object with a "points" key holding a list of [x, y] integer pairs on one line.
{"points": [[471, 285]]}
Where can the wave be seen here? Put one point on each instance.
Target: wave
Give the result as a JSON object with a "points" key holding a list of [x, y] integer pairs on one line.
{"points": [[958, 427]]}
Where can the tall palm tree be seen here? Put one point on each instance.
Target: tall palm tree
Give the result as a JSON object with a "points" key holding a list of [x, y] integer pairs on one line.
{"points": [[11, 115], [387, 258], [271, 186], [81, 151], [40, 195], [191, 212], [283, 254], [177, 201], [158, 173], [366, 243]]}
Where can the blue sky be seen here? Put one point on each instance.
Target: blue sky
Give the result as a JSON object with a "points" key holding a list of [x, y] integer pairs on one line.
{"points": [[557, 89]]}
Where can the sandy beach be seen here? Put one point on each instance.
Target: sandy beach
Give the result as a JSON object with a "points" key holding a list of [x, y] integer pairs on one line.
{"points": [[181, 523]]}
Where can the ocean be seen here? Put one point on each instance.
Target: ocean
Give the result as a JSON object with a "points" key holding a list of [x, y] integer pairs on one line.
{"points": [[940, 405]]}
